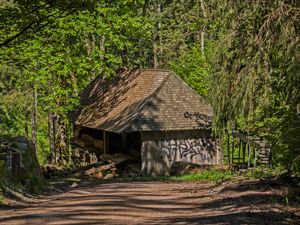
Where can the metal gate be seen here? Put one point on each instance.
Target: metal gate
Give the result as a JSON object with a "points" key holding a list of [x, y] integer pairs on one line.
{"points": [[12, 161]]}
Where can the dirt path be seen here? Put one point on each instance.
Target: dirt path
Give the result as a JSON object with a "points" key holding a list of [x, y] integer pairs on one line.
{"points": [[123, 202]]}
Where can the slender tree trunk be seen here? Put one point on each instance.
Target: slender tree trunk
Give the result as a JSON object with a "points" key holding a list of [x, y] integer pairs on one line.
{"points": [[102, 48], [125, 56], [124, 52], [154, 36], [51, 137], [60, 126], [87, 43], [102, 41], [26, 123], [90, 45], [159, 27], [141, 66], [34, 121], [196, 36], [203, 30], [155, 62]]}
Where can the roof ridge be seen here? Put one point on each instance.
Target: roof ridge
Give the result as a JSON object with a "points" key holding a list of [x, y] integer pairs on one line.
{"points": [[157, 69], [146, 105], [196, 93]]}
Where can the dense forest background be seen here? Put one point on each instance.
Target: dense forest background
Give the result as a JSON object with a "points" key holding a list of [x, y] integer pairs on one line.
{"points": [[240, 56]]}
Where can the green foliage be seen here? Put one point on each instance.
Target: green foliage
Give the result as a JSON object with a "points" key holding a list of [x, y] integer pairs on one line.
{"points": [[43, 146], [19, 18], [64, 57], [255, 78], [181, 23], [60, 58], [15, 102], [106, 172], [38, 184], [192, 68], [250, 71]]}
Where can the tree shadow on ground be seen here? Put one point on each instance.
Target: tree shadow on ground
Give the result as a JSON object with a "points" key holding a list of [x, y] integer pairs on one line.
{"points": [[122, 202]]}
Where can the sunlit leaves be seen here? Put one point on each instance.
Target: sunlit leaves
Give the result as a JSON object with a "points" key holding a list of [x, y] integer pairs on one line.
{"points": [[65, 56]]}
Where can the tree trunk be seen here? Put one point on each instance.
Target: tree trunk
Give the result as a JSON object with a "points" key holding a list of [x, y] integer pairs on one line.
{"points": [[203, 30], [51, 137], [87, 43], [61, 137], [61, 126], [159, 27], [34, 121], [155, 63], [124, 52], [90, 45], [102, 48], [26, 122], [102, 41], [141, 65]]}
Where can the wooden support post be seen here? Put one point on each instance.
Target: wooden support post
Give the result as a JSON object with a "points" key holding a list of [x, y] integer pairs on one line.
{"points": [[227, 154], [232, 153], [249, 156], [124, 143], [106, 142], [244, 152], [255, 157], [270, 157], [240, 143]]}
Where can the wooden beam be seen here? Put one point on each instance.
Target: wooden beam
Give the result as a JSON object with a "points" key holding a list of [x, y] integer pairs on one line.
{"points": [[106, 142], [249, 155], [240, 143], [252, 141], [232, 153], [244, 152], [99, 169], [255, 157]]}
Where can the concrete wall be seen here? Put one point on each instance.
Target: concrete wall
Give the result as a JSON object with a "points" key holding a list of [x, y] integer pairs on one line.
{"points": [[160, 149]]}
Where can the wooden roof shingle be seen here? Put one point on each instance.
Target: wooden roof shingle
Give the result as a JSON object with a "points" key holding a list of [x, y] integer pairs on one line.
{"points": [[141, 100]]}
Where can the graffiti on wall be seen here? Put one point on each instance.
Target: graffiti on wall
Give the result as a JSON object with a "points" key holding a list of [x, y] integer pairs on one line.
{"points": [[201, 119], [184, 150]]}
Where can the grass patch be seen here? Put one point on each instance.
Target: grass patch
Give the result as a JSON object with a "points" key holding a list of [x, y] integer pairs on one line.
{"points": [[209, 175], [264, 172]]}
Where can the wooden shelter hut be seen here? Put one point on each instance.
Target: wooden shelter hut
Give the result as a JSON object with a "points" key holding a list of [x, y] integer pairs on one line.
{"points": [[152, 115]]}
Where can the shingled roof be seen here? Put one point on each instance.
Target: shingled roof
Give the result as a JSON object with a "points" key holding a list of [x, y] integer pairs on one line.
{"points": [[141, 100]]}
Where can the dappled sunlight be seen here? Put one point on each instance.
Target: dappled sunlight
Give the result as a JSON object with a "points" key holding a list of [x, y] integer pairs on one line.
{"points": [[152, 202]]}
